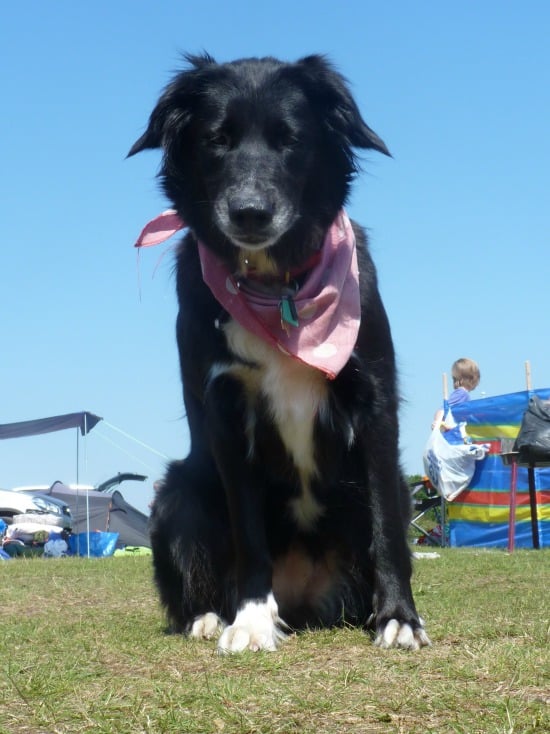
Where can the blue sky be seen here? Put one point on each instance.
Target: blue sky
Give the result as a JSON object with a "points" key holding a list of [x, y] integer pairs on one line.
{"points": [[459, 219]]}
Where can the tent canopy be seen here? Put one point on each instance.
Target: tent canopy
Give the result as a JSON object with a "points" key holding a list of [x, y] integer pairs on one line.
{"points": [[85, 421]]}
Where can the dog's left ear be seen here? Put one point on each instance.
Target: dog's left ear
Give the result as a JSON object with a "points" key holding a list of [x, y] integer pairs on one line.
{"points": [[332, 90]]}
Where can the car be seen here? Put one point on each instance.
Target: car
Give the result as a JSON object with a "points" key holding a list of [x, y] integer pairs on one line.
{"points": [[44, 510], [113, 482], [106, 486]]}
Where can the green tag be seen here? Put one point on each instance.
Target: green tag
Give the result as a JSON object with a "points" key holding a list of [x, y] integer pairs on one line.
{"points": [[288, 311]]}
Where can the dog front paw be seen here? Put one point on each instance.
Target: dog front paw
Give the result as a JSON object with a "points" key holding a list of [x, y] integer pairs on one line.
{"points": [[257, 626], [206, 626], [402, 634]]}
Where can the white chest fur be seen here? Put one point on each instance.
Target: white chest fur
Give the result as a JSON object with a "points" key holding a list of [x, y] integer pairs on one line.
{"points": [[295, 394]]}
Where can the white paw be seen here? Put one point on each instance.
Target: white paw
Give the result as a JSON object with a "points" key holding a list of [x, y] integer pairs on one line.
{"points": [[257, 626], [396, 634], [206, 627]]}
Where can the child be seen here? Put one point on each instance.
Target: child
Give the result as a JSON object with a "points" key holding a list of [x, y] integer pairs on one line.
{"points": [[466, 377]]}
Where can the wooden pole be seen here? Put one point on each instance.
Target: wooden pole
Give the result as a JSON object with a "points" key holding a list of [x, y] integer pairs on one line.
{"points": [[528, 374]]}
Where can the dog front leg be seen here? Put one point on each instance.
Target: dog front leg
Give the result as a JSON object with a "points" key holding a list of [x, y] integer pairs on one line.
{"points": [[257, 625], [397, 622]]}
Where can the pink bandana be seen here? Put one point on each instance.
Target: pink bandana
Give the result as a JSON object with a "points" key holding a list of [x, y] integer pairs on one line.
{"points": [[327, 306]]}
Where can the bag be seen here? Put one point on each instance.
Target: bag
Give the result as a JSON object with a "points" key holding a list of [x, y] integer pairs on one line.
{"points": [[455, 433], [101, 544], [533, 441], [450, 467], [55, 548]]}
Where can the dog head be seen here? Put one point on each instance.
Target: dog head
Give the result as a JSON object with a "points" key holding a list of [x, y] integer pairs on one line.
{"points": [[258, 153]]}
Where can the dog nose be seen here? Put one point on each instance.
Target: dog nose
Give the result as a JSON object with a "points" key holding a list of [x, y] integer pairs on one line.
{"points": [[251, 213]]}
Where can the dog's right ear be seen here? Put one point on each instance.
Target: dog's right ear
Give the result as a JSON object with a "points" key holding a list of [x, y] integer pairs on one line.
{"points": [[174, 109], [151, 138], [165, 111]]}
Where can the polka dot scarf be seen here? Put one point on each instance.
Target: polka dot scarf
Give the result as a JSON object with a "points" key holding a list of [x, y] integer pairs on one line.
{"points": [[326, 309]]}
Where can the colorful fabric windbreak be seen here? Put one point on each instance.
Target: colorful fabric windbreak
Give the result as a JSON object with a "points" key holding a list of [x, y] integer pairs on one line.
{"points": [[479, 515]]}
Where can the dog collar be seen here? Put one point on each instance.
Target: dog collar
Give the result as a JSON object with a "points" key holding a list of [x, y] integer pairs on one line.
{"points": [[317, 324]]}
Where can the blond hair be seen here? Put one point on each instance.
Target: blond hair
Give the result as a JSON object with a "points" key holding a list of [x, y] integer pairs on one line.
{"points": [[465, 373]]}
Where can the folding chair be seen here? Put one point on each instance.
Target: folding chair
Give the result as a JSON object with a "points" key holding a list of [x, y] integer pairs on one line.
{"points": [[421, 505]]}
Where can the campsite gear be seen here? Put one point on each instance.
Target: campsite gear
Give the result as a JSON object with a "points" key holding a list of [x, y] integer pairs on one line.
{"points": [[317, 325], [29, 529], [97, 545], [533, 440], [14, 548], [450, 467], [425, 499], [480, 515]]}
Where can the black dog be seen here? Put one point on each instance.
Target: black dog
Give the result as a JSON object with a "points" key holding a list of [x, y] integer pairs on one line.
{"points": [[290, 509]]}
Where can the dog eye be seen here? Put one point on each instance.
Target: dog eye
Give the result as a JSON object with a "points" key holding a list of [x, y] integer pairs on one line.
{"points": [[283, 136], [218, 139]]}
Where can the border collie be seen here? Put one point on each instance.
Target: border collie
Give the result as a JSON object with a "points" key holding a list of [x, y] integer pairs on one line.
{"points": [[291, 509]]}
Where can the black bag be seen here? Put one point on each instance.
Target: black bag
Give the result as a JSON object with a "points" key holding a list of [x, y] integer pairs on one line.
{"points": [[533, 441]]}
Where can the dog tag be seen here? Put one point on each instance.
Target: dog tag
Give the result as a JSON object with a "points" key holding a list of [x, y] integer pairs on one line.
{"points": [[289, 315]]}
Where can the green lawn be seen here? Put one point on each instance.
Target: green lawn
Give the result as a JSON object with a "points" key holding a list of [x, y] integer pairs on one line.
{"points": [[83, 649]]}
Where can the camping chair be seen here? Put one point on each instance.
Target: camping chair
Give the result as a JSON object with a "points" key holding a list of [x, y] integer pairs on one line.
{"points": [[425, 498]]}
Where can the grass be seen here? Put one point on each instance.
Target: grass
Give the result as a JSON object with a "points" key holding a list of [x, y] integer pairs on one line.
{"points": [[83, 649]]}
